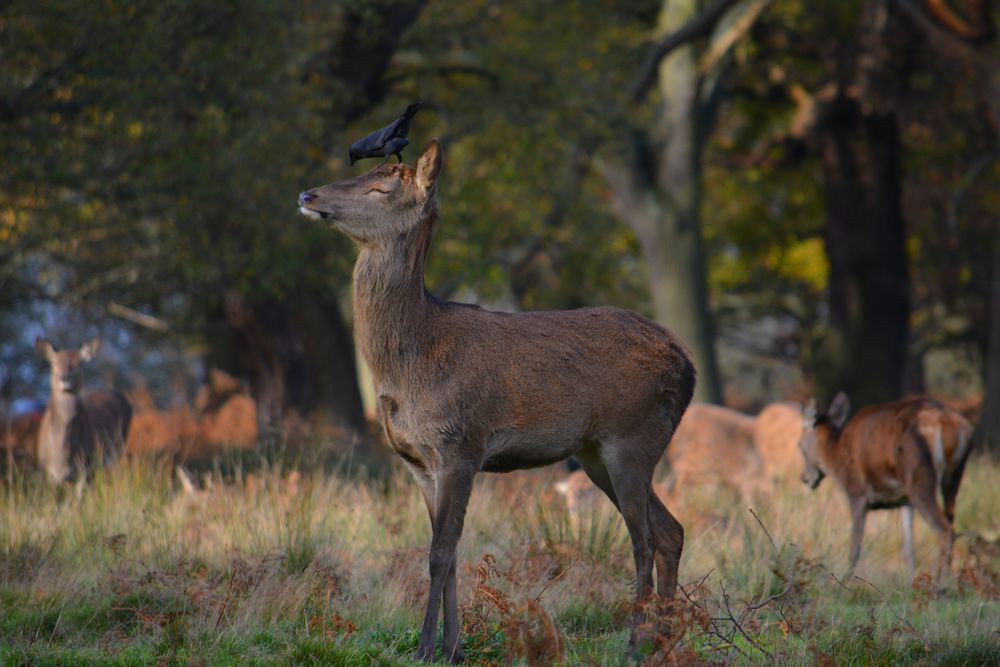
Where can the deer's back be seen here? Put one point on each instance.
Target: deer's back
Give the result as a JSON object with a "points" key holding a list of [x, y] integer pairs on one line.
{"points": [[605, 362], [533, 386], [885, 447], [776, 436], [715, 441], [102, 421]]}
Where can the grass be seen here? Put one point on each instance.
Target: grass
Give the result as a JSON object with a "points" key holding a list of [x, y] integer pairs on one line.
{"points": [[277, 564]]}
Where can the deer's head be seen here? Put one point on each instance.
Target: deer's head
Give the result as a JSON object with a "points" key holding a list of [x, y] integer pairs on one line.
{"points": [[67, 365], [821, 432], [380, 204]]}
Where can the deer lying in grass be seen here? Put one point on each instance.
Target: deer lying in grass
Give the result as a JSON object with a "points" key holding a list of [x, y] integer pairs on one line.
{"points": [[463, 390], [891, 455], [78, 428]]}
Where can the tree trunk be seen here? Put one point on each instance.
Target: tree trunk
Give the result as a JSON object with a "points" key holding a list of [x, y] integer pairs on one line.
{"points": [[658, 194], [298, 357], [865, 351], [989, 424], [860, 150]]}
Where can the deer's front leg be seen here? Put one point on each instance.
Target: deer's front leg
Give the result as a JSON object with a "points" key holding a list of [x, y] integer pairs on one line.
{"points": [[453, 487], [859, 512]]}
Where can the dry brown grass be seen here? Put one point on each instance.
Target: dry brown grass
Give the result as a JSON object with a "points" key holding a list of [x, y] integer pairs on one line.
{"points": [[343, 562]]}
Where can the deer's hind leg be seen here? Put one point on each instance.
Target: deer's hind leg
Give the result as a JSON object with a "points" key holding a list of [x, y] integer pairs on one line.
{"points": [[621, 471], [668, 541]]}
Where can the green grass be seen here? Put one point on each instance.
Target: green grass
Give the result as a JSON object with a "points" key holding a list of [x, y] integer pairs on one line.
{"points": [[277, 565]]}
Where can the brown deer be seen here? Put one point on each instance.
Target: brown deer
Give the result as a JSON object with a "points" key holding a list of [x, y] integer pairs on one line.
{"points": [[891, 455], [463, 390], [776, 436], [20, 437], [715, 443], [78, 427]]}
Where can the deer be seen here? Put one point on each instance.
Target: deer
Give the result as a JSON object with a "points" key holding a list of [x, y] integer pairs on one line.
{"points": [[715, 443], [462, 389], [776, 435], [78, 428], [891, 455]]}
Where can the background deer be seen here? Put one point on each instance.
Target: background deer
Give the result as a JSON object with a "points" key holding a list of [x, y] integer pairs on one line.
{"points": [[462, 389], [78, 427], [776, 435], [891, 455], [715, 443]]}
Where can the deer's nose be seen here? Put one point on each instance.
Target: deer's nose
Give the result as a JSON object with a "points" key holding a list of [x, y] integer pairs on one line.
{"points": [[305, 198]]}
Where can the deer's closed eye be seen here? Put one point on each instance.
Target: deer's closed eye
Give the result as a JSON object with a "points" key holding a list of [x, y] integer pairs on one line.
{"points": [[377, 188]]}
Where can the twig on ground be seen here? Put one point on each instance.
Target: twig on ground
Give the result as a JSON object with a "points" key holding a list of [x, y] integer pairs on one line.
{"points": [[557, 578], [523, 609], [905, 622], [225, 603], [736, 623], [764, 528]]}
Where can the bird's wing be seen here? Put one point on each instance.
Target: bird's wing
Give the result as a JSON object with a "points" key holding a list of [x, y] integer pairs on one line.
{"points": [[401, 126], [395, 145]]}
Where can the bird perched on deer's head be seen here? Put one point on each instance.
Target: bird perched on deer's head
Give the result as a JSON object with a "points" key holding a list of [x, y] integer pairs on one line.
{"points": [[390, 140]]}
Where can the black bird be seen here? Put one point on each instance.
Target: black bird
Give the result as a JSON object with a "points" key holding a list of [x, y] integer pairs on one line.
{"points": [[390, 140]]}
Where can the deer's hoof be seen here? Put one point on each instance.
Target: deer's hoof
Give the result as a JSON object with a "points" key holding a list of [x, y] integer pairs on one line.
{"points": [[457, 656], [425, 653]]}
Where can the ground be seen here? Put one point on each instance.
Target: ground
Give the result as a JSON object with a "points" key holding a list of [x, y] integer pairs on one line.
{"points": [[311, 564]]}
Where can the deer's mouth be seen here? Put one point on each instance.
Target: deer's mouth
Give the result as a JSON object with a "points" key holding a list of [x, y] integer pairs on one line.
{"points": [[310, 213]]}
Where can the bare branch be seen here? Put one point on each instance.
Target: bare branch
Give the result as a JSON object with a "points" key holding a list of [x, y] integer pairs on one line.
{"points": [[941, 39], [766, 532], [959, 26], [723, 43], [699, 26], [136, 317]]}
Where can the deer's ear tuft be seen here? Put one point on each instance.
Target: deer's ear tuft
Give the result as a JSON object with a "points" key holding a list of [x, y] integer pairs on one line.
{"points": [[429, 166], [840, 409], [44, 348], [89, 350], [809, 412]]}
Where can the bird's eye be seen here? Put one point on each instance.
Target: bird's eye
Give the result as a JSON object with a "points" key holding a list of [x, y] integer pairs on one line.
{"points": [[377, 188]]}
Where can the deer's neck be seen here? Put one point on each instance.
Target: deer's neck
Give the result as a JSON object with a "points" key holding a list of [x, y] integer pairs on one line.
{"points": [[59, 414], [63, 406], [391, 304], [832, 454]]}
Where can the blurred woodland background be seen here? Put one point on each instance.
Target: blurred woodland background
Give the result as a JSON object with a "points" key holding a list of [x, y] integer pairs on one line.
{"points": [[808, 193]]}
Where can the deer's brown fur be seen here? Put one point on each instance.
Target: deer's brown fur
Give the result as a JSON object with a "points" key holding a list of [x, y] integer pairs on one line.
{"points": [[891, 455], [776, 435], [78, 427], [462, 389], [715, 444]]}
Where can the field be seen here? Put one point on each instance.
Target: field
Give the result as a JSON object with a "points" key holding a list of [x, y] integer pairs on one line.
{"points": [[312, 564]]}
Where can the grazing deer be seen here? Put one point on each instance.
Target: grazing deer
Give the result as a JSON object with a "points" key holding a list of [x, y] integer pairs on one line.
{"points": [[715, 443], [891, 455], [462, 389], [78, 427]]}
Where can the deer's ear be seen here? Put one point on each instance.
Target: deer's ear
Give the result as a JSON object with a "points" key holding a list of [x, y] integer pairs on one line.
{"points": [[89, 350], [840, 408], [809, 412], [44, 348], [429, 166]]}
